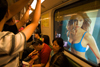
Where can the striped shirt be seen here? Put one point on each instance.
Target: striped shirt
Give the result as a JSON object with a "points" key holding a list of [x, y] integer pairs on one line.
{"points": [[10, 46]]}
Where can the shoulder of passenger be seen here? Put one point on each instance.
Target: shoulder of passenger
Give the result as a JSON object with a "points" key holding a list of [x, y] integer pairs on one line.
{"points": [[47, 51]]}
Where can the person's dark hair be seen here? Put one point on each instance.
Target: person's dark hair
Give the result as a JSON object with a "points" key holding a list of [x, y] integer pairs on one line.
{"points": [[46, 39], [60, 43], [3, 8], [86, 23], [38, 41], [60, 60]]}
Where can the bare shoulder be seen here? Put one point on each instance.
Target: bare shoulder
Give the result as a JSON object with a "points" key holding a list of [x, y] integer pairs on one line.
{"points": [[88, 36]]}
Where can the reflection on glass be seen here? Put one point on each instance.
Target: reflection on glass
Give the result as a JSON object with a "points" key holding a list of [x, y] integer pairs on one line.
{"points": [[81, 32]]}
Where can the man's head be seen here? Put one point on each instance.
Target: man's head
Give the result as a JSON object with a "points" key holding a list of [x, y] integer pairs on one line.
{"points": [[3, 8], [38, 45]]}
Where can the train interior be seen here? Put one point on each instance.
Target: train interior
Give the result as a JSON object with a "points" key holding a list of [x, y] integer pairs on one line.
{"points": [[55, 15]]}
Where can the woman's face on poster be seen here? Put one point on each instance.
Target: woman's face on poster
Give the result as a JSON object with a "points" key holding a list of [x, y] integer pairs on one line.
{"points": [[75, 22]]}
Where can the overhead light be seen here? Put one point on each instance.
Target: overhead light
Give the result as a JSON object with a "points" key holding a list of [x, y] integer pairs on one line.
{"points": [[30, 12], [33, 5], [90, 11]]}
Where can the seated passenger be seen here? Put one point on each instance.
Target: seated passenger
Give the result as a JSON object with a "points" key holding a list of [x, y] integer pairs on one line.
{"points": [[43, 52], [46, 39], [60, 60], [30, 48], [57, 57], [37, 35]]}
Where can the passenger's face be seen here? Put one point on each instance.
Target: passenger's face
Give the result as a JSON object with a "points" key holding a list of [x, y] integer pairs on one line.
{"points": [[76, 21], [56, 47], [37, 47], [42, 39], [36, 35]]}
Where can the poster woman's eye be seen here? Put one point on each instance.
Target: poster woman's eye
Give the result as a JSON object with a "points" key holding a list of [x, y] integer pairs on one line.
{"points": [[80, 20], [72, 21], [75, 20]]}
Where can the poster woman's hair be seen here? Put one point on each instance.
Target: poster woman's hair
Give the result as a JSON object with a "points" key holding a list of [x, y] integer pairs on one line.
{"points": [[86, 23]]}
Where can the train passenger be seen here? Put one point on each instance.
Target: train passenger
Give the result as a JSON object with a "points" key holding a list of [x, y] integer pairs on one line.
{"points": [[37, 35], [79, 37], [57, 57], [43, 52], [46, 39], [10, 44], [27, 51], [30, 48], [11, 26]]}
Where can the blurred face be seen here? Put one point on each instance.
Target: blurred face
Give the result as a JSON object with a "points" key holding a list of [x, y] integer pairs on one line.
{"points": [[56, 47], [36, 35], [42, 39], [76, 22], [37, 47]]}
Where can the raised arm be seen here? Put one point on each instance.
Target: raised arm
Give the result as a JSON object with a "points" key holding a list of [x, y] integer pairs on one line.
{"points": [[23, 20], [93, 46], [36, 16], [16, 7]]}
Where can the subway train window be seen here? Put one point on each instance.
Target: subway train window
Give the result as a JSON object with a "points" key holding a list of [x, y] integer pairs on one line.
{"points": [[79, 26]]}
